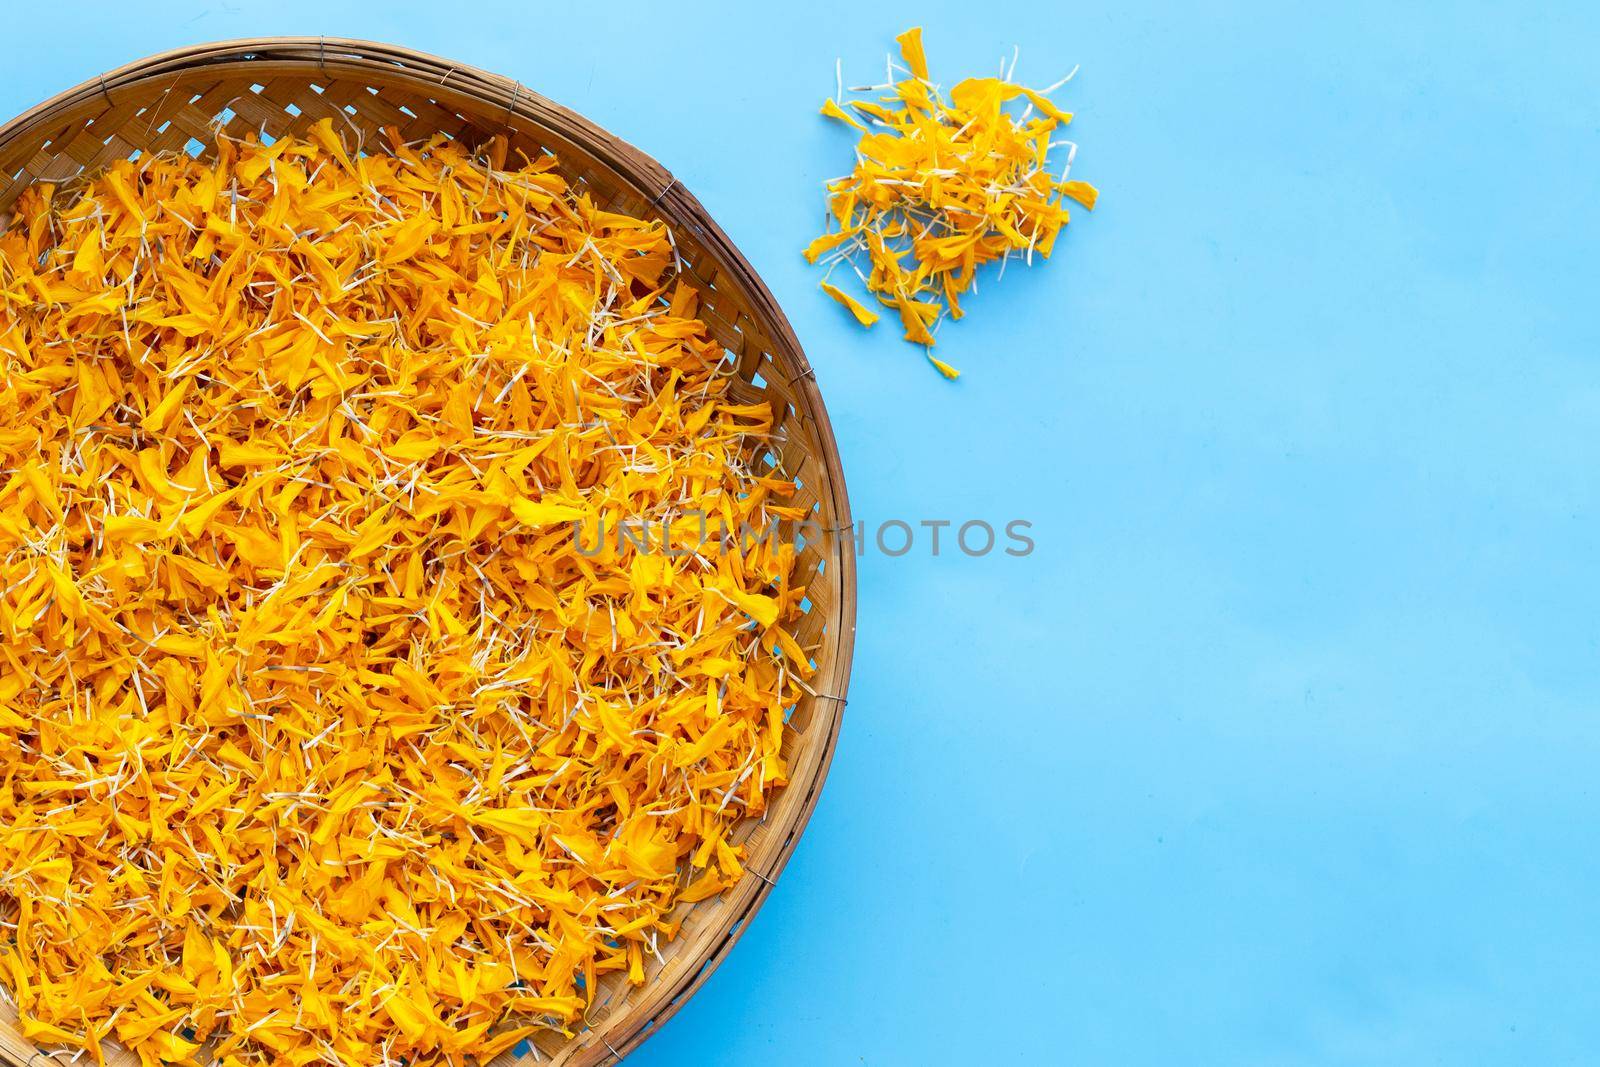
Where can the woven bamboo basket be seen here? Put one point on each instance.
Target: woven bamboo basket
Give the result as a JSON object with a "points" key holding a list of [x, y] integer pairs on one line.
{"points": [[175, 102]]}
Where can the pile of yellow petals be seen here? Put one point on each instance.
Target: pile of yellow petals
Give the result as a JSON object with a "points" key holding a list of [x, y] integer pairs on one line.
{"points": [[952, 183], [323, 737]]}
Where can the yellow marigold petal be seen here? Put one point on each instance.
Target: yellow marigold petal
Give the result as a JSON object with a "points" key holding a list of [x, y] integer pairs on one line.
{"points": [[761, 608], [539, 513], [1043, 103], [1082, 192], [832, 110], [910, 43], [914, 320], [827, 243], [863, 316]]}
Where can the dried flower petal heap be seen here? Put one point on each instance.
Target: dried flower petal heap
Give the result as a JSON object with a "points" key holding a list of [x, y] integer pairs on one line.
{"points": [[323, 740], [950, 183]]}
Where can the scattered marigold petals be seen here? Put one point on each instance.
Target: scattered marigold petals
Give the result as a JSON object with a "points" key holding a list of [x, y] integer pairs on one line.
{"points": [[941, 186], [325, 738]]}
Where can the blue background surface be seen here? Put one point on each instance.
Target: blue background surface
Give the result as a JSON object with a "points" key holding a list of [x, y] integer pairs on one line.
{"points": [[1280, 748]]}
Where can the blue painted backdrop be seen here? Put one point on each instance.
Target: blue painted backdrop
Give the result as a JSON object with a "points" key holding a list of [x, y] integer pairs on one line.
{"points": [[1281, 747]]}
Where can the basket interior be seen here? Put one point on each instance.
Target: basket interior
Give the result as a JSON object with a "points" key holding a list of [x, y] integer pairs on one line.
{"points": [[177, 103]]}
